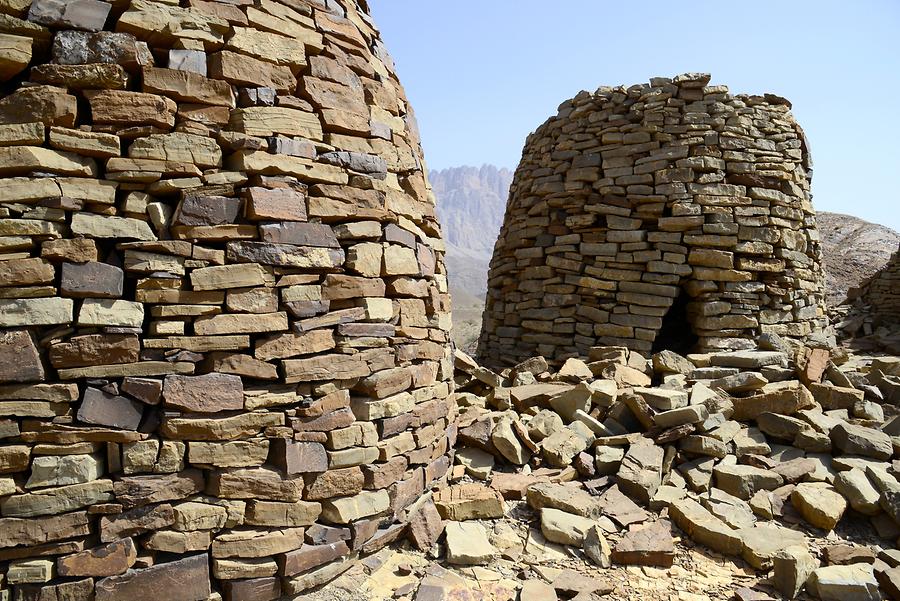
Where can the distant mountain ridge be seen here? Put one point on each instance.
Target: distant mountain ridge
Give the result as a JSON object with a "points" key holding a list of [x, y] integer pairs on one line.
{"points": [[471, 202]]}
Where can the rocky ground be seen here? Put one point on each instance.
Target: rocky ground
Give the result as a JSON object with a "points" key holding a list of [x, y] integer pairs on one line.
{"points": [[753, 475]]}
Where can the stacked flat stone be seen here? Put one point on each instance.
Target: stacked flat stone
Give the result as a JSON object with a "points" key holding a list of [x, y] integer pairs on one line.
{"points": [[630, 196], [224, 359], [882, 291]]}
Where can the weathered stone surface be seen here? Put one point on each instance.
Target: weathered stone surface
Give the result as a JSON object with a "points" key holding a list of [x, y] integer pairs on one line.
{"points": [[467, 544], [110, 559], [649, 545], [184, 580], [840, 583], [819, 505], [705, 528], [19, 357], [95, 349], [468, 502], [52, 501], [859, 440], [104, 409], [209, 393], [639, 474], [349, 509]]}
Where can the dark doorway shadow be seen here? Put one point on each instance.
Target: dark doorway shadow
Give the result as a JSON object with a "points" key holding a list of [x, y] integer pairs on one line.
{"points": [[676, 333]]}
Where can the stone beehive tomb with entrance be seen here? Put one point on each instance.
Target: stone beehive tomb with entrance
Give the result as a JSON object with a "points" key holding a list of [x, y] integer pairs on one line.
{"points": [[224, 317], [670, 215]]}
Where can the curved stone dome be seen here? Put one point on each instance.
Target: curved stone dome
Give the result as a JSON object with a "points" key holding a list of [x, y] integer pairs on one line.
{"points": [[224, 353], [663, 215]]}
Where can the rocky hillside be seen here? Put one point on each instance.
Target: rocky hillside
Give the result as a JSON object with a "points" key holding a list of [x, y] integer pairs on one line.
{"points": [[854, 250], [471, 202]]}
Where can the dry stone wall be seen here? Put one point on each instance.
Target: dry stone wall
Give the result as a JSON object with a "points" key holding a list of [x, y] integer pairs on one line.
{"points": [[882, 291], [664, 215], [224, 356]]}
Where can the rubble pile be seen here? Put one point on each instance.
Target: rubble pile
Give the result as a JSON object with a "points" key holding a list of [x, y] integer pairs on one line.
{"points": [[759, 455], [225, 367], [660, 214]]}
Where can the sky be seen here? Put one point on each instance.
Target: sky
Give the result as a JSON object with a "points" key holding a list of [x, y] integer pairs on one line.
{"points": [[482, 74]]}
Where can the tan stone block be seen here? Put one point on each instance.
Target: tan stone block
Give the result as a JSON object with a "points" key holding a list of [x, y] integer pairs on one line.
{"points": [[16, 160], [30, 571], [288, 345], [185, 86], [269, 46], [109, 312], [259, 483], [221, 277], [255, 161], [180, 147], [263, 121], [279, 515], [199, 516], [249, 453], [35, 311], [118, 107], [220, 429], [233, 569], [400, 260], [243, 70], [257, 543], [350, 509], [241, 324], [54, 501], [99, 226], [23, 134], [167, 541], [90, 144], [24, 272], [365, 259], [15, 54], [47, 104]]}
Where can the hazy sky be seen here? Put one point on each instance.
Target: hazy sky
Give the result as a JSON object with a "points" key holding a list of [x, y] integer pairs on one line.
{"points": [[483, 74]]}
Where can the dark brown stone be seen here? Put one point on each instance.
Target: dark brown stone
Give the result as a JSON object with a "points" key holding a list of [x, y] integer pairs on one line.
{"points": [[284, 204], [209, 393], [91, 280], [134, 491], [383, 537], [198, 209], [299, 233], [183, 580], [396, 234], [95, 349], [331, 421], [298, 457], [136, 521], [425, 526], [255, 589], [320, 534], [649, 545], [308, 557], [110, 559], [147, 390], [382, 475], [104, 409], [19, 358]]}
